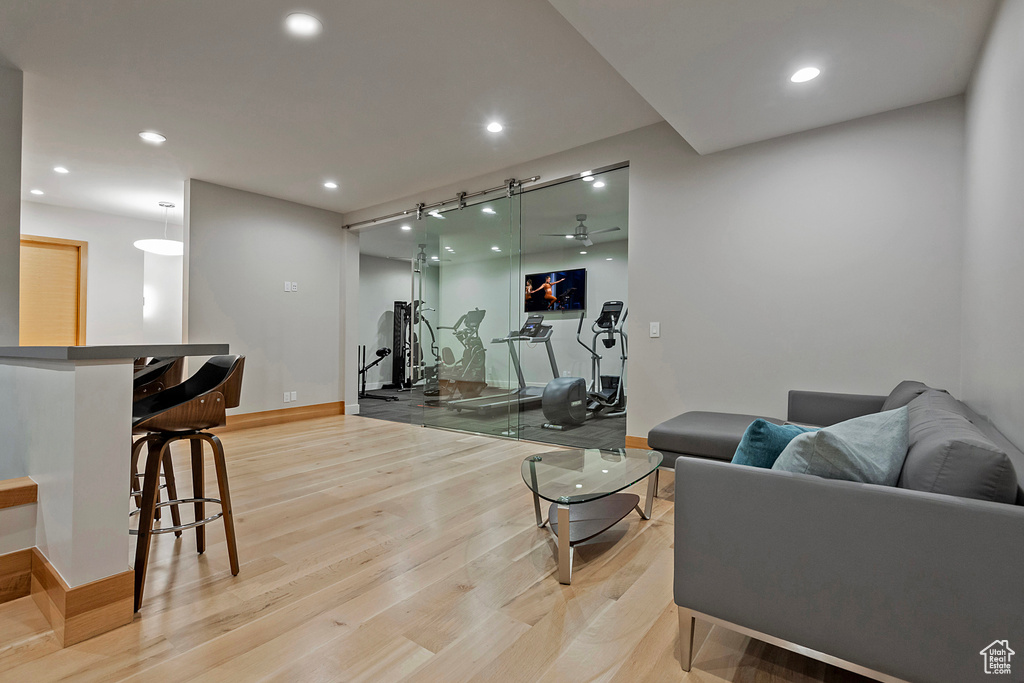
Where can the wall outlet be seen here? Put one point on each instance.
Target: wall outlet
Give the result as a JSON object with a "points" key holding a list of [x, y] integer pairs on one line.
{"points": [[295, 288], [655, 330], [287, 397], [295, 396], [287, 286]]}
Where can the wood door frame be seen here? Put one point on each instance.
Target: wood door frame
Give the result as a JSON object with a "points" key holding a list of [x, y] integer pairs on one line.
{"points": [[83, 273]]}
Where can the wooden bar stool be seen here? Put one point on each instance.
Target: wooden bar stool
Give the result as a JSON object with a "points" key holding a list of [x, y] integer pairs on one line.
{"points": [[185, 412], [151, 376]]}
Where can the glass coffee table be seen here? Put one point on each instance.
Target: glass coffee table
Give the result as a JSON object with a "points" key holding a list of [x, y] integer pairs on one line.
{"points": [[583, 486]]}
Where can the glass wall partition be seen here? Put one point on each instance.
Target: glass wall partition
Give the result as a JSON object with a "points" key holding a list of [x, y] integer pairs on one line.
{"points": [[464, 264], [573, 271], [505, 317]]}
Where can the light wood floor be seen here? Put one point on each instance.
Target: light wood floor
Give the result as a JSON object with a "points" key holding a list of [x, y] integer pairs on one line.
{"points": [[384, 552]]}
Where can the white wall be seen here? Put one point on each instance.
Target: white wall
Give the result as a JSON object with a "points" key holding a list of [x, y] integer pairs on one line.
{"points": [[993, 321], [116, 272], [11, 88], [826, 260], [382, 282], [242, 248], [162, 297]]}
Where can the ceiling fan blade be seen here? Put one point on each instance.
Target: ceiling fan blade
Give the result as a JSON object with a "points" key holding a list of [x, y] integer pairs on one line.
{"points": [[587, 242], [556, 234], [595, 232]]}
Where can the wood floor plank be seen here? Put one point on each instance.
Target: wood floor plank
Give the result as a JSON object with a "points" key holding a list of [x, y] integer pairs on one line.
{"points": [[374, 551]]}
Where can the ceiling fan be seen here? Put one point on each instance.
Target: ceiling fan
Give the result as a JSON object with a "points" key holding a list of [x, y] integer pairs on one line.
{"points": [[582, 232], [421, 260]]}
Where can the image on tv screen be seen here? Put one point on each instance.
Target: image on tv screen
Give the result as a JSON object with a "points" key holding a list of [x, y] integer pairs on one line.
{"points": [[559, 290]]}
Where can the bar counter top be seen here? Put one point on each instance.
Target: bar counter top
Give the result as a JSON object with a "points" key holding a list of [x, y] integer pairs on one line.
{"points": [[111, 352]]}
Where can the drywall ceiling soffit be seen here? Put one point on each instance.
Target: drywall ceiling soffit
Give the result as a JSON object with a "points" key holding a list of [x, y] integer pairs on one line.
{"points": [[718, 70], [391, 100]]}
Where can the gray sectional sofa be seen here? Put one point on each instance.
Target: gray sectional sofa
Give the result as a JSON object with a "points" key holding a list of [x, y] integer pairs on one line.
{"points": [[895, 583]]}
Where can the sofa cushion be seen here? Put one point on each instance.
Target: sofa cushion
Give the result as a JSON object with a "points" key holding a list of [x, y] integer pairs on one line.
{"points": [[949, 454], [905, 392], [704, 434], [764, 441], [868, 449]]}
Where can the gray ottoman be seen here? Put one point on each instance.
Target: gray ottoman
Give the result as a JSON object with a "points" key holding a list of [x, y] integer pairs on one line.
{"points": [[701, 434]]}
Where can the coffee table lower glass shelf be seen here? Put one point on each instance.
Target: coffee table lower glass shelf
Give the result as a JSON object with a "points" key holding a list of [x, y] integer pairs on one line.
{"points": [[583, 486]]}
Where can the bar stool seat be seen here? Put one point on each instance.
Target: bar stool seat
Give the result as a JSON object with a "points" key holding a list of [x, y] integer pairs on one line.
{"points": [[185, 412]]}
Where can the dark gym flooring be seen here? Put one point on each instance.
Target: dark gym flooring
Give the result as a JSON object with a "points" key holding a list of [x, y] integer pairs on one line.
{"points": [[410, 408]]}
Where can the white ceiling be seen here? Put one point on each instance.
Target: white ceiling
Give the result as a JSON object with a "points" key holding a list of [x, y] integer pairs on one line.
{"points": [[390, 100], [517, 225], [718, 70]]}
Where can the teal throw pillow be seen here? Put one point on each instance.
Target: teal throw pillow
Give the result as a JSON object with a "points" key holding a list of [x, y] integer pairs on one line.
{"points": [[869, 449], [764, 441]]}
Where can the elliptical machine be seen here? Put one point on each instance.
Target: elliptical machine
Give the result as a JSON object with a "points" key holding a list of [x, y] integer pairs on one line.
{"points": [[568, 401], [465, 375]]}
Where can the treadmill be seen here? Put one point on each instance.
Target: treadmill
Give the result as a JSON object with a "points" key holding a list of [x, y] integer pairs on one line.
{"points": [[533, 330]]}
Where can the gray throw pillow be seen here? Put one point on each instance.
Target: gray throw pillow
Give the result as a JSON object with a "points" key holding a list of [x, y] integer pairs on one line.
{"points": [[868, 449], [949, 454]]}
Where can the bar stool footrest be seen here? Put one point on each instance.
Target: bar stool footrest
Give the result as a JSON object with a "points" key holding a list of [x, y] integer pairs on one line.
{"points": [[181, 527]]}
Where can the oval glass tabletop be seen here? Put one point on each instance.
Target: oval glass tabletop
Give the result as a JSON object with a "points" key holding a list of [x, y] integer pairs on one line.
{"points": [[579, 475]]}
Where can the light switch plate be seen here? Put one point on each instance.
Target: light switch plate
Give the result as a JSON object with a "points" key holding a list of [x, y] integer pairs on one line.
{"points": [[295, 396], [287, 286], [287, 397], [655, 330]]}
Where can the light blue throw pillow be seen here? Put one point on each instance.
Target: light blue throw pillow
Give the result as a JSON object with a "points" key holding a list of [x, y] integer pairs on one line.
{"points": [[764, 441], [869, 449]]}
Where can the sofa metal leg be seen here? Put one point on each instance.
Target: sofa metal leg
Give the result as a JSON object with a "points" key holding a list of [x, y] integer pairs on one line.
{"points": [[686, 623]]}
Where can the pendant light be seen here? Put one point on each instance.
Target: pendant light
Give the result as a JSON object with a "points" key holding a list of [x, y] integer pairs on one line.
{"points": [[164, 247]]}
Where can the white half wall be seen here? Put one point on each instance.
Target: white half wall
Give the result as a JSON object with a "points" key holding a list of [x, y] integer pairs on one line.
{"points": [[382, 282], [827, 260], [993, 321], [116, 274], [242, 248], [11, 90]]}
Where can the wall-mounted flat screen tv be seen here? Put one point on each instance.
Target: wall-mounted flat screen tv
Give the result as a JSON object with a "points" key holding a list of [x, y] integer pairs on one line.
{"points": [[558, 290]]}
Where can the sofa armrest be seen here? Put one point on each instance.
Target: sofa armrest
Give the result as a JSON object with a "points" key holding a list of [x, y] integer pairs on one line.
{"points": [[907, 583], [824, 408]]}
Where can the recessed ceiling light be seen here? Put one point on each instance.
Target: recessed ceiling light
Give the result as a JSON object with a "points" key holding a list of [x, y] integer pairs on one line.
{"points": [[599, 183], [805, 74], [583, 252], [60, 169], [608, 259], [302, 24], [588, 178], [495, 127], [586, 173], [36, 191], [331, 185], [435, 258], [406, 227], [568, 237], [152, 136], [436, 214], [488, 209], [495, 249]]}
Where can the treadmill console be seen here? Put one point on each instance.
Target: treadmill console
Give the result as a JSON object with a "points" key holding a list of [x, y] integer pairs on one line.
{"points": [[533, 327]]}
